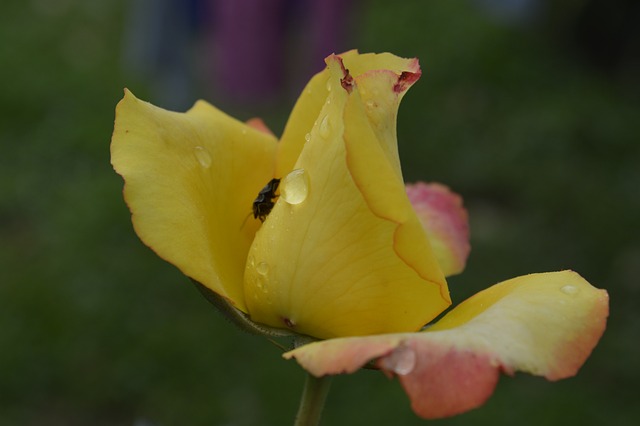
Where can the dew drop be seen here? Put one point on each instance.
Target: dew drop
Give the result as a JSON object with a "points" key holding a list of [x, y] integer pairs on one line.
{"points": [[294, 188], [262, 268], [307, 137], [401, 361], [370, 103], [252, 261], [569, 289], [203, 156], [329, 85], [261, 283], [325, 127]]}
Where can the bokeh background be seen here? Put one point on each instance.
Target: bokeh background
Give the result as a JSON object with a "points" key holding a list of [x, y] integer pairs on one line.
{"points": [[528, 108]]}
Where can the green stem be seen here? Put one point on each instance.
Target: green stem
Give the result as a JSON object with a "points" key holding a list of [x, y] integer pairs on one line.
{"points": [[312, 402]]}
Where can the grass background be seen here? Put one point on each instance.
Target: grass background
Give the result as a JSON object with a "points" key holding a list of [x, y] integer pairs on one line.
{"points": [[534, 120]]}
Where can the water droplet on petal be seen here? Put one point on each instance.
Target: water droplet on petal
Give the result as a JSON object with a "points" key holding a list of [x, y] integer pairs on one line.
{"points": [[370, 103], [203, 156], [252, 261], [329, 85], [262, 268], [401, 361], [569, 289], [294, 188], [325, 127], [307, 137]]}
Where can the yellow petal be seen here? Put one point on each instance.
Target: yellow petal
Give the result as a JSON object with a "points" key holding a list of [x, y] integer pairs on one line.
{"points": [[300, 122], [556, 318], [190, 181], [375, 75], [302, 118], [350, 256], [382, 103], [543, 324]]}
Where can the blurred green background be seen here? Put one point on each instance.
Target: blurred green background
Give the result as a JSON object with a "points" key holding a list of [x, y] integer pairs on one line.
{"points": [[528, 109]]}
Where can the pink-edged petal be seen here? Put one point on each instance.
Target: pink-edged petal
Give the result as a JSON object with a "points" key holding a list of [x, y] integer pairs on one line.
{"points": [[441, 378], [445, 221], [259, 124], [344, 355], [544, 324]]}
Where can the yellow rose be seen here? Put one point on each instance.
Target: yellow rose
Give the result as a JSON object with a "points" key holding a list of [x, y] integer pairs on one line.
{"points": [[345, 252]]}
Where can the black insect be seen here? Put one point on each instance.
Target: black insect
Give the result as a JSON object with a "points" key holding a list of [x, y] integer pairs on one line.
{"points": [[264, 202]]}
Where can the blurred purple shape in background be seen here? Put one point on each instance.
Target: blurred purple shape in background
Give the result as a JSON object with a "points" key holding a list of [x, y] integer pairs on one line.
{"points": [[248, 39], [264, 46], [250, 50]]}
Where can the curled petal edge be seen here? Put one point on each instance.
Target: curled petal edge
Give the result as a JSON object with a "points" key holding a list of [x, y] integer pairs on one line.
{"points": [[544, 324]]}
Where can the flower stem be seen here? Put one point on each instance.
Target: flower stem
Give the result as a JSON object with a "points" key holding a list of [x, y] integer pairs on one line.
{"points": [[312, 402], [237, 317]]}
